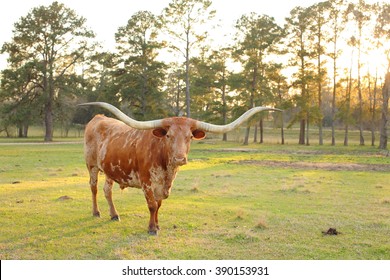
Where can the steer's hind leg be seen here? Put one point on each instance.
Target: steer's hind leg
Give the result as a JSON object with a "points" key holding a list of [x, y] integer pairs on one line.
{"points": [[108, 193], [93, 180]]}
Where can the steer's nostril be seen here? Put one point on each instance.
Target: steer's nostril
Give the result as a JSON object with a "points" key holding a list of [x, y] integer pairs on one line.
{"points": [[180, 160]]}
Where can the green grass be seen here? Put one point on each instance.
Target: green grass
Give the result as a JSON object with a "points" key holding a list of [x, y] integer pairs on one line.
{"points": [[230, 202]]}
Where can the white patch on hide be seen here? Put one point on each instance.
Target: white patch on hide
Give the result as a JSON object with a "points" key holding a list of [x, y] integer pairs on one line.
{"points": [[131, 180], [161, 181]]}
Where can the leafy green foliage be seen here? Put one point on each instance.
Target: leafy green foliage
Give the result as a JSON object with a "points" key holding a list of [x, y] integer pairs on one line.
{"points": [[184, 22], [256, 39], [47, 46], [54, 65], [142, 77]]}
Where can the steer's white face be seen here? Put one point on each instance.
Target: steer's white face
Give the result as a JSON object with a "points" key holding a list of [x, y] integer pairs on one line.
{"points": [[177, 136]]}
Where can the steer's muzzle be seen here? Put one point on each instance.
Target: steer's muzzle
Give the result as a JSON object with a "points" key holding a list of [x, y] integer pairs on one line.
{"points": [[180, 160], [162, 193]]}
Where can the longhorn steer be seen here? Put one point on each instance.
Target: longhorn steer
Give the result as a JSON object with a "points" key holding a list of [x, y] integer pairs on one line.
{"points": [[144, 155]]}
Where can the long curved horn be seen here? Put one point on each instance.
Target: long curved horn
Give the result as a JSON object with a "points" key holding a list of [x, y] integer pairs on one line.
{"points": [[229, 127], [126, 119]]}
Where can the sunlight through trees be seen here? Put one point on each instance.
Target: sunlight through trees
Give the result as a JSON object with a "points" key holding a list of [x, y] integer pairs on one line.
{"points": [[328, 66]]}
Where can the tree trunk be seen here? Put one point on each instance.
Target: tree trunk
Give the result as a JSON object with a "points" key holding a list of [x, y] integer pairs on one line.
{"points": [[307, 130], [255, 134], [246, 139], [253, 93], [361, 137], [303, 91], [348, 101], [333, 121], [49, 121], [7, 132], [346, 135], [188, 100], [20, 131], [302, 132], [334, 92], [320, 136], [373, 116], [178, 97], [25, 130], [385, 112], [261, 125], [48, 87], [360, 95], [224, 110], [144, 96], [348, 97], [224, 137], [281, 114], [282, 128]]}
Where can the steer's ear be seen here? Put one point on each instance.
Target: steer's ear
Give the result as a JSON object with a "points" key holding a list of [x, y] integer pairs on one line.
{"points": [[198, 134], [159, 132]]}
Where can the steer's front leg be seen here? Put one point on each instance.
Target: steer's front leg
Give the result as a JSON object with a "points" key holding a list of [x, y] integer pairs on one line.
{"points": [[156, 216], [153, 206]]}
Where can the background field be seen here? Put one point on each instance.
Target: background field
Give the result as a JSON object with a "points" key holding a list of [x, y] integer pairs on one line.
{"points": [[230, 202]]}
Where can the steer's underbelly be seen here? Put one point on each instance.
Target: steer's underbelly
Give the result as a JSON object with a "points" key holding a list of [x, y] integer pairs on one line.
{"points": [[125, 178], [126, 185]]}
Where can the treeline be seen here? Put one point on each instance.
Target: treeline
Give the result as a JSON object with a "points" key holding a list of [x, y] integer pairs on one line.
{"points": [[328, 65]]}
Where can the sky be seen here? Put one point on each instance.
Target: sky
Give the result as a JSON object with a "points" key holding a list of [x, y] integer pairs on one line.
{"points": [[105, 17]]}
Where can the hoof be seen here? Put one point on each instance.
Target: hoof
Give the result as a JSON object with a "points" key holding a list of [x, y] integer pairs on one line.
{"points": [[152, 232], [115, 218], [97, 214]]}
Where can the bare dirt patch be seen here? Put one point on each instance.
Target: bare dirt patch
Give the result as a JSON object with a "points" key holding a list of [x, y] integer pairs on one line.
{"points": [[331, 231], [64, 197], [318, 165]]}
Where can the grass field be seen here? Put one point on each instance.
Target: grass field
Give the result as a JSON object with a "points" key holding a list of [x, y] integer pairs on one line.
{"points": [[230, 202]]}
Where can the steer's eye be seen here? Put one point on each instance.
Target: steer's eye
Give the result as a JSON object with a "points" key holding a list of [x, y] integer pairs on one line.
{"points": [[170, 136]]}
